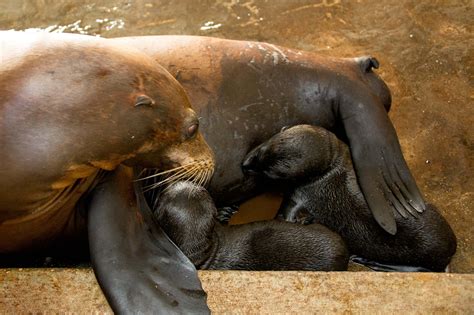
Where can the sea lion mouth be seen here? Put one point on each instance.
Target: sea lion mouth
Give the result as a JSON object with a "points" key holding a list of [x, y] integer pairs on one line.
{"points": [[153, 181]]}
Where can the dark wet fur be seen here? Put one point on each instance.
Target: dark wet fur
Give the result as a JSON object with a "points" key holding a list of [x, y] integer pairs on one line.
{"points": [[318, 169], [186, 213]]}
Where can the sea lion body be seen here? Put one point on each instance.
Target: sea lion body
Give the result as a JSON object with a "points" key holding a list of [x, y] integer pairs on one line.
{"points": [[73, 109], [68, 114], [245, 92], [317, 169], [187, 213]]}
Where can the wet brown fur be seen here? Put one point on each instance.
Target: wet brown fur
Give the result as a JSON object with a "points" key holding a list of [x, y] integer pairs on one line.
{"points": [[68, 112]]}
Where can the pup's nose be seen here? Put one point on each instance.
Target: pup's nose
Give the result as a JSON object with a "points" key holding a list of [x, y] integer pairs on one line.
{"points": [[249, 165]]}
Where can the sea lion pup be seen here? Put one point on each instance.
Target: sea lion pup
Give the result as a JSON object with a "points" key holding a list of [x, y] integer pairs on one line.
{"points": [[76, 114], [187, 213], [317, 168]]}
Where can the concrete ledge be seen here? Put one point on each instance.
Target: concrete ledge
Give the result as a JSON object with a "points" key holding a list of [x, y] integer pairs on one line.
{"points": [[76, 291]]}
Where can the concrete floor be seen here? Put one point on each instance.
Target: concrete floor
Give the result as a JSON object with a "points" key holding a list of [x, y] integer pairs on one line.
{"points": [[232, 292]]}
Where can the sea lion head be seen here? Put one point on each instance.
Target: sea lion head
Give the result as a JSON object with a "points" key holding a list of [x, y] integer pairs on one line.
{"points": [[182, 197], [186, 213], [82, 103], [158, 126], [173, 137], [294, 153]]}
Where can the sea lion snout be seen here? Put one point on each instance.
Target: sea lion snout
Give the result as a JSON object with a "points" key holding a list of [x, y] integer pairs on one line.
{"points": [[252, 162]]}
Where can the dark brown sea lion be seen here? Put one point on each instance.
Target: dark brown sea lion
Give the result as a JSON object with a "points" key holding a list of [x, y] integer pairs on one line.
{"points": [[246, 92], [320, 184], [187, 213], [73, 109]]}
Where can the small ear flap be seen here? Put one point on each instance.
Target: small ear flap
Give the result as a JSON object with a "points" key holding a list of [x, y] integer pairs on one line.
{"points": [[284, 128], [368, 63], [144, 100]]}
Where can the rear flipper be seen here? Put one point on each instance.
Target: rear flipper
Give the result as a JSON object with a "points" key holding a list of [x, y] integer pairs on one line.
{"points": [[381, 170], [386, 267], [138, 268]]}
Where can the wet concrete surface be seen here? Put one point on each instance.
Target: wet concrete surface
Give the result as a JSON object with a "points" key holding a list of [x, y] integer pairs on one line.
{"points": [[425, 49], [233, 292]]}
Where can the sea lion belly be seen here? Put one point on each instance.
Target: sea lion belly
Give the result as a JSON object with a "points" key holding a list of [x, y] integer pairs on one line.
{"points": [[56, 217]]}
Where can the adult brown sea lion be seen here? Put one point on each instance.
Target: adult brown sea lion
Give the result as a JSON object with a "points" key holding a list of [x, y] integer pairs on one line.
{"points": [[320, 184], [76, 113], [247, 91], [187, 213]]}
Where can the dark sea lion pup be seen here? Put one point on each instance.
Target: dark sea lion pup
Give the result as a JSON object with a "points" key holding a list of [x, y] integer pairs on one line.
{"points": [[318, 169], [187, 213]]}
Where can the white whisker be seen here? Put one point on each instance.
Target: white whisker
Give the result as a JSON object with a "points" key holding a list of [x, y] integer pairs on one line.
{"points": [[167, 171], [202, 175], [172, 178], [208, 176], [198, 172]]}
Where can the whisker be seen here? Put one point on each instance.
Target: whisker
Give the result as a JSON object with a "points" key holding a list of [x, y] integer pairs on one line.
{"points": [[195, 176], [174, 177], [198, 178], [155, 183], [141, 172], [198, 172], [167, 171], [188, 175], [181, 174], [163, 183], [191, 174], [193, 180], [158, 174], [208, 176], [202, 174]]}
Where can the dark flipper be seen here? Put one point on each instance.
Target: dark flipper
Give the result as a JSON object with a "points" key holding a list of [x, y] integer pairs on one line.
{"points": [[381, 170], [224, 214], [294, 212], [386, 267], [138, 268]]}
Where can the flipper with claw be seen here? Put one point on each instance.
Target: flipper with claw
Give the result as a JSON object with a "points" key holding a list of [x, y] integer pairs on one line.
{"points": [[224, 214]]}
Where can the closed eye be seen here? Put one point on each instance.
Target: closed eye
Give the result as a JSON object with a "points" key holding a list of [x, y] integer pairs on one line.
{"points": [[192, 130], [144, 100]]}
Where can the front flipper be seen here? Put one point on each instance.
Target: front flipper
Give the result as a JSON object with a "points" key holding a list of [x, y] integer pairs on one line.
{"points": [[138, 268], [295, 212], [224, 214], [386, 267], [381, 170]]}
